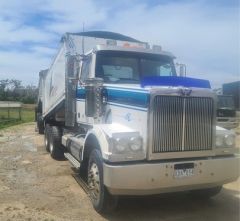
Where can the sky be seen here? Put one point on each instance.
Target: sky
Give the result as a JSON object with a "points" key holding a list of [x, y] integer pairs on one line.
{"points": [[204, 35]]}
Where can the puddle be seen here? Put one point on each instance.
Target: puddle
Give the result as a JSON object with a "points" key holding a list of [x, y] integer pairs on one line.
{"points": [[29, 146], [28, 136], [26, 162], [7, 157], [3, 188], [22, 176], [13, 158], [4, 139], [17, 157]]}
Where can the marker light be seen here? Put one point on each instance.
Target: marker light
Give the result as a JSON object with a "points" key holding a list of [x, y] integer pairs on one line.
{"points": [[156, 48], [111, 42]]}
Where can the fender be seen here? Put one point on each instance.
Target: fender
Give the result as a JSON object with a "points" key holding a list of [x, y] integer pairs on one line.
{"points": [[103, 133]]}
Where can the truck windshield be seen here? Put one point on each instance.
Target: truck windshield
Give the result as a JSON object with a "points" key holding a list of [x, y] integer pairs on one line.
{"points": [[130, 67], [225, 102]]}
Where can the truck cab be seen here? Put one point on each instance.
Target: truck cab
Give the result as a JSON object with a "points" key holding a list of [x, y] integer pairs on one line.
{"points": [[130, 124]]}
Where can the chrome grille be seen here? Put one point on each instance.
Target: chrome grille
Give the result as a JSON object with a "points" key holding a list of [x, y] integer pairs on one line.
{"points": [[182, 123]]}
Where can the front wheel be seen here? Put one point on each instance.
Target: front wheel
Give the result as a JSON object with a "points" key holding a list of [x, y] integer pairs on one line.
{"points": [[102, 200]]}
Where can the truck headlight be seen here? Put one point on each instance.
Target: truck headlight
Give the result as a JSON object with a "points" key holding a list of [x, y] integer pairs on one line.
{"points": [[127, 144], [225, 140], [121, 145], [219, 140], [135, 143], [230, 140]]}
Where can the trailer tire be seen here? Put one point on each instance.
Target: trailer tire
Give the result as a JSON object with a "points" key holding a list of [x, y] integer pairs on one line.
{"points": [[102, 200], [205, 193], [46, 137], [55, 146]]}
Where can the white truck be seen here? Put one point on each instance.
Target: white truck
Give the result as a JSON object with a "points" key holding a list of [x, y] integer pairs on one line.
{"points": [[115, 108]]}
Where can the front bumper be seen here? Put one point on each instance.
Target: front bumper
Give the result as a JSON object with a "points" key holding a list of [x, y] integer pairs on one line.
{"points": [[155, 178]]}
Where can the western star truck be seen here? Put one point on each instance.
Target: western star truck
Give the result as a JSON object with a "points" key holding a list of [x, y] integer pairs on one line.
{"points": [[115, 108]]}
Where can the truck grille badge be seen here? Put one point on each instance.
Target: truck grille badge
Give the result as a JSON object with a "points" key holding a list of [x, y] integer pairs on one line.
{"points": [[185, 91]]}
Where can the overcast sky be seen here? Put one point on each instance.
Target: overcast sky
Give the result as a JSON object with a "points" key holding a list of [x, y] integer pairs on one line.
{"points": [[202, 34]]}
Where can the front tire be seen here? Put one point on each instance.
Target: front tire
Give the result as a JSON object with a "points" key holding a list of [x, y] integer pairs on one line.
{"points": [[55, 145], [102, 200]]}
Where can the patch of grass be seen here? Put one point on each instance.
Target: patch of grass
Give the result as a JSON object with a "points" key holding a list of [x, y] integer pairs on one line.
{"points": [[27, 115]]}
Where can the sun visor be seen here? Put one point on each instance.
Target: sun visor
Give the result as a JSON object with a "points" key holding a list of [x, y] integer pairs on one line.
{"points": [[175, 81]]}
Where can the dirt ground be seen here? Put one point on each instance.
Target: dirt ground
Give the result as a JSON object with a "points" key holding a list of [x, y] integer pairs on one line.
{"points": [[35, 187]]}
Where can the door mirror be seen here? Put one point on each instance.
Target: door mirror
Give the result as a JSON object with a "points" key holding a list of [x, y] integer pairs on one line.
{"points": [[182, 69], [94, 97]]}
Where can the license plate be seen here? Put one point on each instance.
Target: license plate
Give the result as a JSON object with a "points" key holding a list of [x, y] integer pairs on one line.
{"points": [[183, 170]]}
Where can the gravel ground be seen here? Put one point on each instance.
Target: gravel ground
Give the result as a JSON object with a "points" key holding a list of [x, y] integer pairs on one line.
{"points": [[35, 187]]}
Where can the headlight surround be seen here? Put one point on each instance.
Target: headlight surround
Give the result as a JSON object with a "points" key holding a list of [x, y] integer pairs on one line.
{"points": [[225, 140], [219, 141], [125, 145]]}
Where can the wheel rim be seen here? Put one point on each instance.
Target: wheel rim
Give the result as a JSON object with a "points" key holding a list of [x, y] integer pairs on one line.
{"points": [[46, 140], [94, 182], [51, 147]]}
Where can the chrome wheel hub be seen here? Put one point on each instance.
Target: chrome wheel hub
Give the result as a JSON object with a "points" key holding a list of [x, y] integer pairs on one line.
{"points": [[94, 182], [46, 141], [51, 147]]}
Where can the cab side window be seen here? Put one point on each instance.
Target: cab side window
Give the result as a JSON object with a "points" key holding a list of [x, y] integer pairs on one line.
{"points": [[85, 71]]}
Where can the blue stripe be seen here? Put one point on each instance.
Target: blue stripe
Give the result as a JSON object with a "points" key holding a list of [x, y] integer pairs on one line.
{"points": [[126, 97], [132, 98], [127, 89]]}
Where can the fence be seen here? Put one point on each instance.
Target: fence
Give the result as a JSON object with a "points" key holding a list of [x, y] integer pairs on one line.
{"points": [[10, 111]]}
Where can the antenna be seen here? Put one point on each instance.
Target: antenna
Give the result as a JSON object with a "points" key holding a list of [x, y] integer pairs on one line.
{"points": [[83, 40]]}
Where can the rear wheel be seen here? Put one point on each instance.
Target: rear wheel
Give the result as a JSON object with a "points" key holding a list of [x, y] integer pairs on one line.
{"points": [[102, 200], [206, 193], [55, 146]]}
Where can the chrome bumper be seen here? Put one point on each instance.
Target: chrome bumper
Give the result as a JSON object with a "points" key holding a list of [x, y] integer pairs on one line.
{"points": [[155, 178]]}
